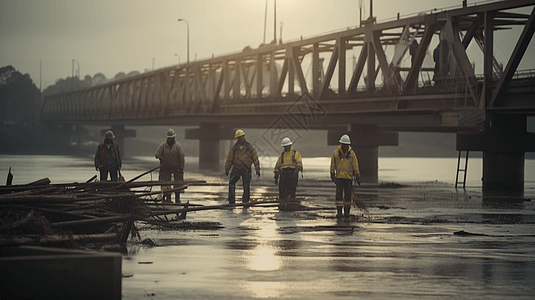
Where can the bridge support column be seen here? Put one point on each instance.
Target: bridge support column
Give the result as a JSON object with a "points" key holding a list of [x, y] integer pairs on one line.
{"points": [[69, 134], [503, 146], [209, 146], [120, 135], [365, 140], [503, 171], [209, 135]]}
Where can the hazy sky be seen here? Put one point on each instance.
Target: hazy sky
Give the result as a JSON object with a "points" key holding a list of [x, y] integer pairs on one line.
{"points": [[112, 36]]}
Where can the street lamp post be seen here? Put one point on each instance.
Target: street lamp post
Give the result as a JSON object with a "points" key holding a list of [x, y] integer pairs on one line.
{"points": [[280, 37], [74, 60], [40, 73], [187, 24]]}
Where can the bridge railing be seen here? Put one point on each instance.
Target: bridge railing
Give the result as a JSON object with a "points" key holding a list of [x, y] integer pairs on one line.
{"points": [[524, 74]]}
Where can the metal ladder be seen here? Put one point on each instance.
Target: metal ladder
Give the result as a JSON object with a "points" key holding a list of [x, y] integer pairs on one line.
{"points": [[461, 170]]}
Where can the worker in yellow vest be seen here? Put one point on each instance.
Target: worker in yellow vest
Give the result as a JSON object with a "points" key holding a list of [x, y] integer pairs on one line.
{"points": [[288, 166], [344, 169]]}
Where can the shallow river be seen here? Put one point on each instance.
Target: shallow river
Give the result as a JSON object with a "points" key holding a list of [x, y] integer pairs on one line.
{"points": [[405, 247]]}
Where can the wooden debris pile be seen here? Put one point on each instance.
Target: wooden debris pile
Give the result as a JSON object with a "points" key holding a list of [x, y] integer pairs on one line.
{"points": [[88, 214], [92, 214]]}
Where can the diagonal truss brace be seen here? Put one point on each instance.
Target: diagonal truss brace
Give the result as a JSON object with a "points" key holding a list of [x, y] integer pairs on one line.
{"points": [[519, 51]]}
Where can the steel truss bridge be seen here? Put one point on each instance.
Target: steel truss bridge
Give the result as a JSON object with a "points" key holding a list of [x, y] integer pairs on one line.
{"points": [[386, 86]]}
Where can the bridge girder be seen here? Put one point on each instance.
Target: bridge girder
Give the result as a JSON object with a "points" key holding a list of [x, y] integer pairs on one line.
{"points": [[264, 81]]}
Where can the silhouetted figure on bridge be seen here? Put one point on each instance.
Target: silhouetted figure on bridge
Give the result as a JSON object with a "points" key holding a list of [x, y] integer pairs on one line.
{"points": [[240, 158], [108, 157], [436, 59], [413, 48], [171, 156], [344, 169], [441, 56]]}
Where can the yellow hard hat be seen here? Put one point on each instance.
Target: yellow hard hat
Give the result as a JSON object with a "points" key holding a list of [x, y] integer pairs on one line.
{"points": [[239, 133]]}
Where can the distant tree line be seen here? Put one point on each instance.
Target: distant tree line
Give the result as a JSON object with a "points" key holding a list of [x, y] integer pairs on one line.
{"points": [[74, 83], [19, 98], [20, 105]]}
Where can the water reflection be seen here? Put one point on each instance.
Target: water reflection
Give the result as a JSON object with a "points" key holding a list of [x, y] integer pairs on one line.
{"points": [[257, 252], [265, 289], [288, 247], [264, 257], [503, 219], [503, 199], [486, 272]]}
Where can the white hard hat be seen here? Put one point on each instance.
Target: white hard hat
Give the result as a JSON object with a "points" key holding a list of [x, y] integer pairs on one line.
{"points": [[171, 133], [109, 135], [345, 140], [286, 142]]}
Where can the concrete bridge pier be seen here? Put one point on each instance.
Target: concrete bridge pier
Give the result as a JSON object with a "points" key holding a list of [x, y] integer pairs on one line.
{"points": [[209, 135], [68, 134], [365, 140], [120, 135], [503, 144], [209, 146]]}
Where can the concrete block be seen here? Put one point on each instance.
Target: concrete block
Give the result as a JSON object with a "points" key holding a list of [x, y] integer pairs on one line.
{"points": [[29, 272]]}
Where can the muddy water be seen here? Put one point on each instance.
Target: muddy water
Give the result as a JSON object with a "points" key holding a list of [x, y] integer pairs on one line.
{"points": [[406, 247]]}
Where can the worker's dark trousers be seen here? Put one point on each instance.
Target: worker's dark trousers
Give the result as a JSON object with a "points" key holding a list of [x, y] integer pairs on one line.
{"points": [[287, 184], [235, 175], [104, 174], [166, 174], [343, 192]]}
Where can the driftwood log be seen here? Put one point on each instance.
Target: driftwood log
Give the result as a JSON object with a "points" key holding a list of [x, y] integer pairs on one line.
{"points": [[49, 240]]}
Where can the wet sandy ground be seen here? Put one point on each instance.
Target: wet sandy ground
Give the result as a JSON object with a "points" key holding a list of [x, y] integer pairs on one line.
{"points": [[405, 248], [425, 241]]}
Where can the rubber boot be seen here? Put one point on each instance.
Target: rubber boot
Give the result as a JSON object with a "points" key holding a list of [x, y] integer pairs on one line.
{"points": [[347, 209], [177, 197], [282, 203], [338, 212]]}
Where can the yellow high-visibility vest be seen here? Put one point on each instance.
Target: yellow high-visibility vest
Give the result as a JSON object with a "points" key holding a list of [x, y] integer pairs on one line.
{"points": [[344, 165], [289, 159]]}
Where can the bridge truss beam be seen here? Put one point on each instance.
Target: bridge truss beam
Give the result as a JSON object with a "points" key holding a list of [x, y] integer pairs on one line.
{"points": [[276, 73]]}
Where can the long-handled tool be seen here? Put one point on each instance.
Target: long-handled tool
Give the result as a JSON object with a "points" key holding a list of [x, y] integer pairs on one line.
{"points": [[135, 178], [358, 202], [9, 180]]}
